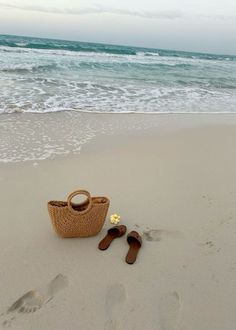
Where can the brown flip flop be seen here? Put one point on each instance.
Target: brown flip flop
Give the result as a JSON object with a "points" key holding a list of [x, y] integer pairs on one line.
{"points": [[112, 233], [135, 242]]}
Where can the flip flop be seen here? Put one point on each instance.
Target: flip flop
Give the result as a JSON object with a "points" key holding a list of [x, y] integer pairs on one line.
{"points": [[112, 233], [135, 242]]}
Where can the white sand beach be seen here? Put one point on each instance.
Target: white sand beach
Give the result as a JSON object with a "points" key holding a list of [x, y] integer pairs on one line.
{"points": [[174, 182]]}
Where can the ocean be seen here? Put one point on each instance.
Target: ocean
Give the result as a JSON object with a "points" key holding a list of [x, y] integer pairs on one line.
{"points": [[53, 93], [45, 75]]}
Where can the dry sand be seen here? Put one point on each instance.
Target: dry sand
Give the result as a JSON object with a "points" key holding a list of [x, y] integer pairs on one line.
{"points": [[175, 185]]}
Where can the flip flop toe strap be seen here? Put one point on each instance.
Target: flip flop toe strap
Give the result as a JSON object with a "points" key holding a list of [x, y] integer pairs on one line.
{"points": [[135, 242], [120, 230], [134, 236]]}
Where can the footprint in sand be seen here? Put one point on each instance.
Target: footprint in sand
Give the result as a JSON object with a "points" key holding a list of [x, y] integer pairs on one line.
{"points": [[33, 300], [169, 307], [155, 235], [115, 297]]}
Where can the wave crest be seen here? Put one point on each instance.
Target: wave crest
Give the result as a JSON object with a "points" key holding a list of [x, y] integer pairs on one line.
{"points": [[25, 43]]}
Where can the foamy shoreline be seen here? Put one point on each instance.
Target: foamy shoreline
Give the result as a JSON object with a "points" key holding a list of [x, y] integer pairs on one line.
{"points": [[172, 178], [61, 75], [38, 136]]}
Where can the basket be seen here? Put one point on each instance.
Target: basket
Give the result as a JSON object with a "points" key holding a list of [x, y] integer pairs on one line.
{"points": [[78, 220]]}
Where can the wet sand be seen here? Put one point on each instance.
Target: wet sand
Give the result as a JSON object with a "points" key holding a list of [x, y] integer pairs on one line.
{"points": [[174, 183]]}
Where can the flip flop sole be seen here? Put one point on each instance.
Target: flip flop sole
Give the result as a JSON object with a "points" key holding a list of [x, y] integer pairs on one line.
{"points": [[106, 241], [135, 242], [133, 252]]}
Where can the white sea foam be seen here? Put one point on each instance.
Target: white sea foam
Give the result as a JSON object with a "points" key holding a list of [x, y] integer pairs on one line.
{"points": [[99, 79], [54, 95], [31, 137], [53, 80], [44, 136], [21, 44]]}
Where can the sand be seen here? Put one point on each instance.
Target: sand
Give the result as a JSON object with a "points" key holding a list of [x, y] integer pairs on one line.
{"points": [[174, 184]]}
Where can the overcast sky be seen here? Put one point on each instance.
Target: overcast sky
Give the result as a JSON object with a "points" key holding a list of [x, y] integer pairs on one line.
{"points": [[194, 25]]}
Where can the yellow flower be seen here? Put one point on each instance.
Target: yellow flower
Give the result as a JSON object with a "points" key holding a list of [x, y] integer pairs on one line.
{"points": [[115, 219]]}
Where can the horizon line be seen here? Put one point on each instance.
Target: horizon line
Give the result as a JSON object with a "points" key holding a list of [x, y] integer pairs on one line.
{"points": [[120, 45]]}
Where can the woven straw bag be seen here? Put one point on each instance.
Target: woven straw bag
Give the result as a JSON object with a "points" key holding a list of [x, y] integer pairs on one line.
{"points": [[78, 220]]}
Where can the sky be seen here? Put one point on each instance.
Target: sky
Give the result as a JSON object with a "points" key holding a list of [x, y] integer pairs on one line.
{"points": [[191, 25]]}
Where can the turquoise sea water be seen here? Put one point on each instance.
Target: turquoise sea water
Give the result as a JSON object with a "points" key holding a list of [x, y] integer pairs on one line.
{"points": [[44, 75]]}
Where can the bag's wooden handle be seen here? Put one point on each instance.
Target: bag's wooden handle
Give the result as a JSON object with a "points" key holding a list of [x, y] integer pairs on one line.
{"points": [[79, 192]]}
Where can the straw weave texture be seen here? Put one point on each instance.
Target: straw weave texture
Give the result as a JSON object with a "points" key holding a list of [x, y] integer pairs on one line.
{"points": [[78, 220]]}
